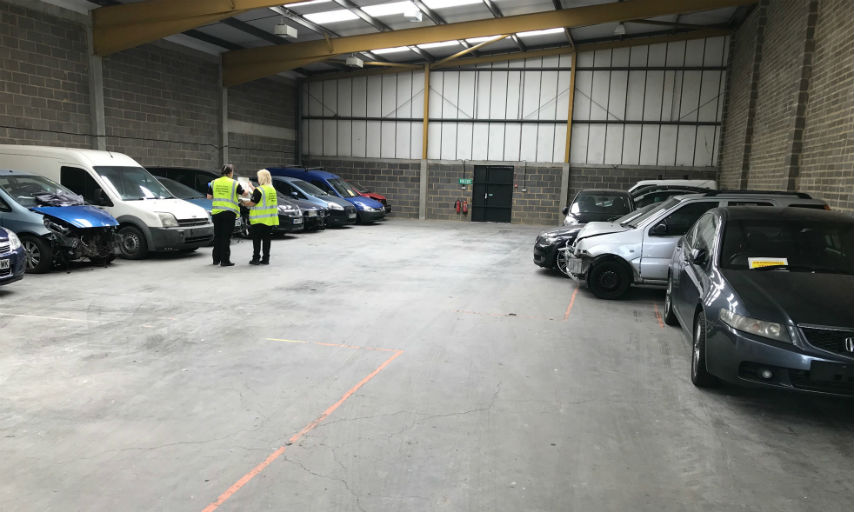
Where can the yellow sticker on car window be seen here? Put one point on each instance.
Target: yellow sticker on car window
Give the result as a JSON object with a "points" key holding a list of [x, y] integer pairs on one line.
{"points": [[760, 262]]}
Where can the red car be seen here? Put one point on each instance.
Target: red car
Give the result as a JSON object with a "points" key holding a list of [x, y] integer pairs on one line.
{"points": [[364, 191]]}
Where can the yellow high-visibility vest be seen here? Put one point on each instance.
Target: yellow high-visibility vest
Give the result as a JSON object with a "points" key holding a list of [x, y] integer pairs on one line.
{"points": [[267, 210], [224, 195]]}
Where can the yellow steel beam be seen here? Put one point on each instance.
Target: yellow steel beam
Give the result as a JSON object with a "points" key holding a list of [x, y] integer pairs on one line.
{"points": [[575, 17], [548, 52], [471, 49], [119, 27], [571, 107], [424, 138]]}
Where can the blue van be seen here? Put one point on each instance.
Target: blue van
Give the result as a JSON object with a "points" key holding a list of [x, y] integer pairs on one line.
{"points": [[367, 209], [53, 223]]}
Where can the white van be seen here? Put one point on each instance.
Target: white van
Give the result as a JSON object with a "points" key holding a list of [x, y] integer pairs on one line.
{"points": [[150, 218]]}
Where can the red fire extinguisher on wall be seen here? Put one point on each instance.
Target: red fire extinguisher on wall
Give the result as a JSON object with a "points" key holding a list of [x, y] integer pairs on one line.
{"points": [[457, 206], [465, 205]]}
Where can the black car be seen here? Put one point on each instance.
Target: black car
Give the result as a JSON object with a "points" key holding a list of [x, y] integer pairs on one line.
{"points": [[765, 294], [654, 194], [597, 205], [547, 253], [196, 179]]}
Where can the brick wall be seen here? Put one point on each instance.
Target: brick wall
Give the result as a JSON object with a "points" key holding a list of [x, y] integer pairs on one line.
{"points": [[267, 102], [161, 107], [827, 160], [803, 120], [398, 180], [735, 115], [44, 84]]}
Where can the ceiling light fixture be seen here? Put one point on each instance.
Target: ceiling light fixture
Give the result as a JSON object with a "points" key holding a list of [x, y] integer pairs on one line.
{"points": [[306, 4], [442, 4], [282, 29], [535, 33], [427, 46], [335, 16], [397, 49], [620, 29]]}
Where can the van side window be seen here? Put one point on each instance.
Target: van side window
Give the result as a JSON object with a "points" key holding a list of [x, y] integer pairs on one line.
{"points": [[80, 182], [4, 207], [322, 185]]}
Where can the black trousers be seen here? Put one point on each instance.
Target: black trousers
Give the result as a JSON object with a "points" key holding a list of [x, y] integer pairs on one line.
{"points": [[223, 226], [261, 235]]}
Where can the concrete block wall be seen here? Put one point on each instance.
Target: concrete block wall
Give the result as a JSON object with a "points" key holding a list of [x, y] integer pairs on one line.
{"points": [[162, 101], [44, 84], [827, 158], [161, 107], [797, 129], [396, 179]]}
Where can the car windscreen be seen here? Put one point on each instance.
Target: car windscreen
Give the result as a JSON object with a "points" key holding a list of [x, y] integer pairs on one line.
{"points": [[794, 245], [133, 183], [180, 190], [342, 187], [308, 188], [27, 190], [615, 204], [631, 215], [636, 221]]}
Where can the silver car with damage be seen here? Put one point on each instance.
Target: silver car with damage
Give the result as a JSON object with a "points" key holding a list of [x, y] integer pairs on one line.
{"points": [[611, 256]]}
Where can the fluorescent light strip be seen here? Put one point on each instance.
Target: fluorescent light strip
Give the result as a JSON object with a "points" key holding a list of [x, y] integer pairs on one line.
{"points": [[534, 33], [305, 4], [476, 40], [331, 16], [442, 4], [392, 9], [427, 46], [382, 51]]}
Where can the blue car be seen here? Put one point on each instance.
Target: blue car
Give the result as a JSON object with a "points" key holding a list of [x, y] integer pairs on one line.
{"points": [[54, 224], [338, 211], [12, 257], [367, 209]]}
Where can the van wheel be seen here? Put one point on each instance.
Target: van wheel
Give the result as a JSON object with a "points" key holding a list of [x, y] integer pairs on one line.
{"points": [[608, 279], [39, 254], [132, 244]]}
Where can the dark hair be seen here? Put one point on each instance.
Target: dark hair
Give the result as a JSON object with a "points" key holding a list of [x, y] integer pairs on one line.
{"points": [[226, 169]]}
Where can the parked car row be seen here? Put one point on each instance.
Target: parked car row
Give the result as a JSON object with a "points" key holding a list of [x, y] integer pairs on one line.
{"points": [[59, 205], [761, 282]]}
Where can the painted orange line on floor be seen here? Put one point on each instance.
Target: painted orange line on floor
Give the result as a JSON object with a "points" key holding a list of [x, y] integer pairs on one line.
{"points": [[571, 302], [338, 345], [296, 437], [658, 316]]}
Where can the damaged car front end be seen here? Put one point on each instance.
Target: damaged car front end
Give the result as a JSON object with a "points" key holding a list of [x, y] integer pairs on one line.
{"points": [[53, 223]]}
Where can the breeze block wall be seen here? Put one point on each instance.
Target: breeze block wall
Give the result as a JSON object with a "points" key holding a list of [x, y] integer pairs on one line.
{"points": [[161, 107], [802, 87], [269, 103], [44, 84]]}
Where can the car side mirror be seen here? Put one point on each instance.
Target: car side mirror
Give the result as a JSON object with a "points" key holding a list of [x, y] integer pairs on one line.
{"points": [[659, 229], [699, 256], [565, 210]]}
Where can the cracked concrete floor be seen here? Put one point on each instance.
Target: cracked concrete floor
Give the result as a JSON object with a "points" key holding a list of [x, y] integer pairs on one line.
{"points": [[156, 385]]}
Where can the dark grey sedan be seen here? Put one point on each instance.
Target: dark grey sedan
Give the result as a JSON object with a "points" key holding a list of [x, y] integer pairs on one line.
{"points": [[765, 295]]}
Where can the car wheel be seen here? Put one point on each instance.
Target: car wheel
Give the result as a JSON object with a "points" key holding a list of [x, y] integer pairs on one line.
{"points": [[608, 279], [39, 254], [699, 375], [132, 243], [560, 261], [669, 316]]}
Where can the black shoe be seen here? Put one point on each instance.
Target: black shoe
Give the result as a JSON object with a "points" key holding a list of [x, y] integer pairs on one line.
{"points": [[226, 264], [254, 262], [216, 262], [265, 262]]}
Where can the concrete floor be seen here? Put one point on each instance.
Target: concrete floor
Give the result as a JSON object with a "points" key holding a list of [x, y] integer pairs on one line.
{"points": [[161, 385]]}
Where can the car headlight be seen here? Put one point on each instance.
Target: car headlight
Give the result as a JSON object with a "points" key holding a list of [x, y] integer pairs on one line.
{"points": [[549, 240], [168, 220], [14, 241], [762, 328], [290, 210], [335, 206]]}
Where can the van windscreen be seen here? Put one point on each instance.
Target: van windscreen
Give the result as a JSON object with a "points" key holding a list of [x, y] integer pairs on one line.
{"points": [[133, 183]]}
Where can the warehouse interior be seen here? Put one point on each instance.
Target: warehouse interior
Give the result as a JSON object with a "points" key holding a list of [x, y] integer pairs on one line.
{"points": [[421, 362]]}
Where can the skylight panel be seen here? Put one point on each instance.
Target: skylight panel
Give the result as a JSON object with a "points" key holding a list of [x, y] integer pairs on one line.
{"points": [[335, 16], [442, 4], [427, 46], [475, 40], [306, 4], [382, 51]]}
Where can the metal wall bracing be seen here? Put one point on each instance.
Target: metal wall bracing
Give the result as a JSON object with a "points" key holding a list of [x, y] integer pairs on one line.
{"points": [[645, 105]]}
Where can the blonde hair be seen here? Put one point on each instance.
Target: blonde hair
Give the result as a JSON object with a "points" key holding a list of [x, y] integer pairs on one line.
{"points": [[264, 177]]}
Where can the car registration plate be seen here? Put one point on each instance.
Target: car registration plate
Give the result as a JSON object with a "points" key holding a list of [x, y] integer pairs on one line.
{"points": [[312, 213], [573, 265], [828, 372], [5, 264], [351, 216], [298, 221]]}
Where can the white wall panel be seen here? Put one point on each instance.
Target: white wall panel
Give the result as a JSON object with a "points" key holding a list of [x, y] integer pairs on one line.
{"points": [[669, 101]]}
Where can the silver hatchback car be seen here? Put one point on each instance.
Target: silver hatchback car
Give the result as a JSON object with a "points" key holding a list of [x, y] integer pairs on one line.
{"points": [[612, 256]]}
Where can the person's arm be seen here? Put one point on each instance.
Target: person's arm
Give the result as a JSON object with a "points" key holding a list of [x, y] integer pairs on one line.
{"points": [[256, 198], [241, 192], [210, 190]]}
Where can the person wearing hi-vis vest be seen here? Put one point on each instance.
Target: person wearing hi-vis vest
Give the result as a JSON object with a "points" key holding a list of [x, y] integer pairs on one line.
{"points": [[263, 217], [225, 192]]}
